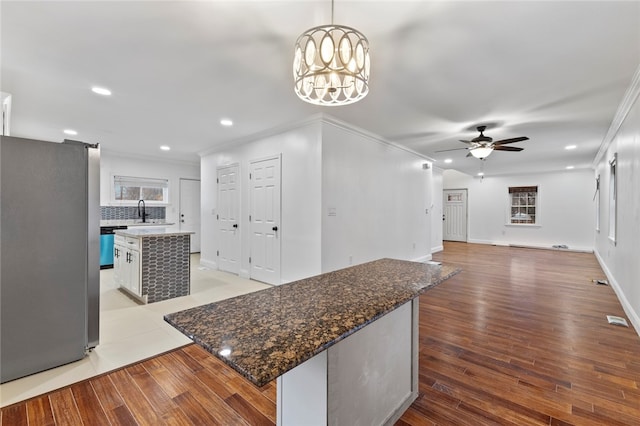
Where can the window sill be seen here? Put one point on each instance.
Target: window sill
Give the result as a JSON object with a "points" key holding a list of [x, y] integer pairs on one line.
{"points": [[524, 225]]}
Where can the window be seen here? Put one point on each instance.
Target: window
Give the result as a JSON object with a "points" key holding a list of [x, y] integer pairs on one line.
{"points": [[596, 197], [127, 188], [523, 205], [612, 197]]}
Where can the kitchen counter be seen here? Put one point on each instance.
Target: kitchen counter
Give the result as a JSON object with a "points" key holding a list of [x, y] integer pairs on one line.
{"points": [[139, 232], [135, 222], [152, 263], [343, 346], [267, 333]]}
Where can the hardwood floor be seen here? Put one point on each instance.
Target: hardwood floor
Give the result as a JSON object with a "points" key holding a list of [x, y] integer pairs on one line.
{"points": [[521, 338], [518, 338]]}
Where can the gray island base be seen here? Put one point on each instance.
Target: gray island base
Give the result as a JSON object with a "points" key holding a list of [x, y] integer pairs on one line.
{"points": [[343, 346], [152, 264]]}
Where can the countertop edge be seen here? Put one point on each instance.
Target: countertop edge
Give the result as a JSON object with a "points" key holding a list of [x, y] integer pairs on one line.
{"points": [[317, 350], [147, 232]]}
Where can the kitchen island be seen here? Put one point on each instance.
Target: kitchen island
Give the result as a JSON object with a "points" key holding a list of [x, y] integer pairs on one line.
{"points": [[152, 264], [342, 345]]}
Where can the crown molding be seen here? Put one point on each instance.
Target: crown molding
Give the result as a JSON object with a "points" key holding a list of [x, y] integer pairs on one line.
{"points": [[625, 106], [130, 155], [274, 131], [328, 119], [319, 118]]}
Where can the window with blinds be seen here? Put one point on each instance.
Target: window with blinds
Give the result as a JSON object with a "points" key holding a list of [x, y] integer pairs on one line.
{"points": [[128, 188], [524, 204]]}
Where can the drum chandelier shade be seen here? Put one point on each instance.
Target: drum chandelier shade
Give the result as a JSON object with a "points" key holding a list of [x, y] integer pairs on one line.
{"points": [[331, 65]]}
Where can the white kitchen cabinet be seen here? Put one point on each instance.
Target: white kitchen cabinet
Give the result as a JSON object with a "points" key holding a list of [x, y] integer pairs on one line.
{"points": [[118, 257], [126, 264]]}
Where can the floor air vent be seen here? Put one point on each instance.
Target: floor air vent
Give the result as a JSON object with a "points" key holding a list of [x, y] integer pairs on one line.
{"points": [[617, 321]]}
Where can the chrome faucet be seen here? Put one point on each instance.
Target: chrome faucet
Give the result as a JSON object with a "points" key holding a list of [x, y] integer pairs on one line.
{"points": [[142, 213]]}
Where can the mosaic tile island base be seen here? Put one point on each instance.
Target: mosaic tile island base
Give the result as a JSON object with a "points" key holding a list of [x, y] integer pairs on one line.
{"points": [[164, 264], [264, 334]]}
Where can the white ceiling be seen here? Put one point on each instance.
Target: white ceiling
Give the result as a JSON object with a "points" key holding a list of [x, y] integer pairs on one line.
{"points": [[553, 71]]}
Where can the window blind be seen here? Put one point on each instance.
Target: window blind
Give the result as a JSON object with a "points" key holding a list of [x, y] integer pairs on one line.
{"points": [[141, 182], [515, 189]]}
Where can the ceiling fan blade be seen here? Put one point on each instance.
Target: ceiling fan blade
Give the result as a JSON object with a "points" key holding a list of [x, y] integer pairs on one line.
{"points": [[469, 154], [512, 140], [455, 149], [467, 142], [507, 148]]}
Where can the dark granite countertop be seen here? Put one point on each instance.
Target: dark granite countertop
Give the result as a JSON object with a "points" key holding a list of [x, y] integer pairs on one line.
{"points": [[264, 334]]}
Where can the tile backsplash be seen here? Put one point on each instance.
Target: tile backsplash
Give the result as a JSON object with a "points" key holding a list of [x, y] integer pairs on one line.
{"points": [[130, 212]]}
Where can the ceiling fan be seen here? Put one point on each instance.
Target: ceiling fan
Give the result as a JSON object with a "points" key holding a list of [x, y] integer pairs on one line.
{"points": [[482, 146]]}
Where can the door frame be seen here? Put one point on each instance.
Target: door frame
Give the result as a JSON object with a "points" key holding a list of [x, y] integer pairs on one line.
{"points": [[280, 233], [180, 180], [217, 227], [466, 211]]}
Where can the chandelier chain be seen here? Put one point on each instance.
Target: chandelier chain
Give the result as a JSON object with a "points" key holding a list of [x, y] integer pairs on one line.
{"points": [[331, 12]]}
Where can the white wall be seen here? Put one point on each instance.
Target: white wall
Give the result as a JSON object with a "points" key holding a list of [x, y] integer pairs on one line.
{"points": [[300, 198], [621, 260], [379, 194], [566, 209], [117, 164], [436, 210]]}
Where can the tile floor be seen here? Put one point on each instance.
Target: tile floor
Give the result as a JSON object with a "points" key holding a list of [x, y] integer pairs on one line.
{"points": [[130, 332]]}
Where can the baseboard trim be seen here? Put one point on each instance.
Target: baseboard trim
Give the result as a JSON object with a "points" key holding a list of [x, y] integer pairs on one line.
{"points": [[211, 264], [532, 246], [422, 259], [626, 306], [573, 250], [437, 249], [244, 274]]}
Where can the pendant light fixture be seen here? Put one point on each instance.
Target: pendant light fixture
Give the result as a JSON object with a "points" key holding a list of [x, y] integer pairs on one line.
{"points": [[331, 65]]}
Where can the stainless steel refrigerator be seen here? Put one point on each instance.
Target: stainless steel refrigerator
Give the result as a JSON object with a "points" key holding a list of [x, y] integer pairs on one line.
{"points": [[49, 254]]}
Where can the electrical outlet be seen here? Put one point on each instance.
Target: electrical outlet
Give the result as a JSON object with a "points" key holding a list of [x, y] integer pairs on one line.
{"points": [[350, 260]]}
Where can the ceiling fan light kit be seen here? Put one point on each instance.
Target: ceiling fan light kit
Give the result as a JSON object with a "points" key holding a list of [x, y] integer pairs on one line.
{"points": [[331, 65], [482, 146], [481, 152]]}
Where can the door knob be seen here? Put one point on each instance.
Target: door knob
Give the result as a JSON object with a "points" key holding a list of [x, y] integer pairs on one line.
{"points": [[182, 221], [235, 225], [275, 228], [181, 215]]}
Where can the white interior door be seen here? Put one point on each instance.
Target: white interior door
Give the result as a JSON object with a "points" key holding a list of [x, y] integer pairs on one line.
{"points": [[229, 219], [190, 210], [454, 225], [264, 178]]}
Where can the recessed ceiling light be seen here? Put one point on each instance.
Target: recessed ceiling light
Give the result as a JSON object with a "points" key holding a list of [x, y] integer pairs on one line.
{"points": [[70, 132], [569, 167], [101, 91], [448, 160], [570, 147], [165, 148], [480, 174], [226, 122]]}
